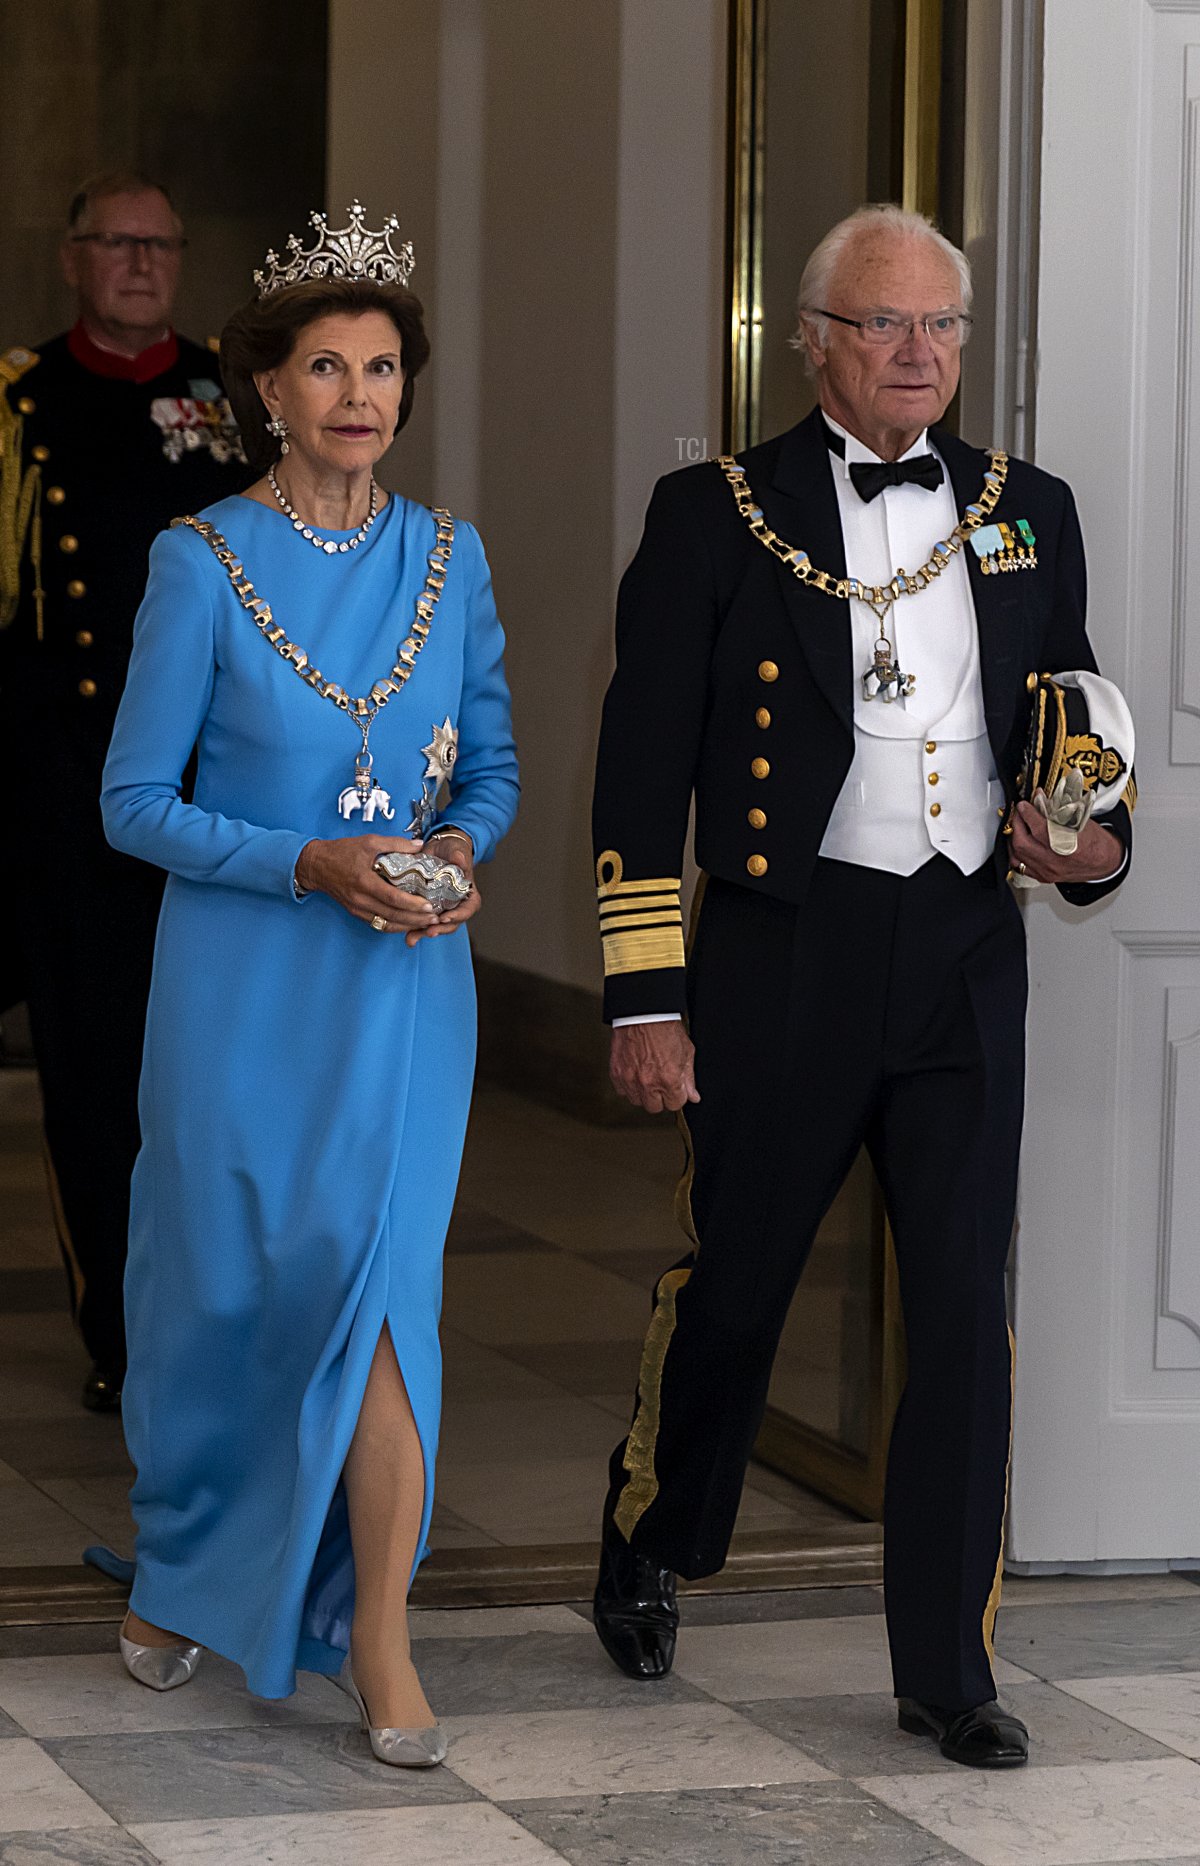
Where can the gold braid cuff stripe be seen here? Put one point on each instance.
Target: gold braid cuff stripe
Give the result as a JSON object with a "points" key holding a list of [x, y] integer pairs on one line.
{"points": [[879, 596], [611, 911], [661, 917], [406, 655], [650, 949], [641, 922]]}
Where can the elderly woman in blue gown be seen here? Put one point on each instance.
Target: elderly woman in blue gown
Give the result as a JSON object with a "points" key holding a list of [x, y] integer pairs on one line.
{"points": [[333, 655]]}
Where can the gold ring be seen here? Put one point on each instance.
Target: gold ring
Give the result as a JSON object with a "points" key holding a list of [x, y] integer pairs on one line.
{"points": [[379, 923]]}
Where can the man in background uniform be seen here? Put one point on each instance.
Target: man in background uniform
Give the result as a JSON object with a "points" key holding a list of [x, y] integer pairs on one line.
{"points": [[106, 434]]}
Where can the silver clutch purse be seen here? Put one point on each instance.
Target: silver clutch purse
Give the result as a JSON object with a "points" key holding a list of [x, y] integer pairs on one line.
{"points": [[442, 884]]}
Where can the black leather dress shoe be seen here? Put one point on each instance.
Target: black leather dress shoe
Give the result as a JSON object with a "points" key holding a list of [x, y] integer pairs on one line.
{"points": [[634, 1608], [984, 1738], [102, 1389]]}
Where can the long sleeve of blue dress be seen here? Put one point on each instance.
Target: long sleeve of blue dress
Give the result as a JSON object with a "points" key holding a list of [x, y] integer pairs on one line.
{"points": [[485, 787], [164, 706]]}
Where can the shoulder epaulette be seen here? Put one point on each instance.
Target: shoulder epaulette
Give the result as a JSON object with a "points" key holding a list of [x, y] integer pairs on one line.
{"points": [[20, 497], [15, 362]]}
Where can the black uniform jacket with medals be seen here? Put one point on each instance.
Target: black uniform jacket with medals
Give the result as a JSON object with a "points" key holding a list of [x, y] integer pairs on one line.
{"points": [[736, 682], [115, 460]]}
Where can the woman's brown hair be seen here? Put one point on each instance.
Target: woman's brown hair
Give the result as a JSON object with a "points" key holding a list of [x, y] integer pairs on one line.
{"points": [[264, 332]]}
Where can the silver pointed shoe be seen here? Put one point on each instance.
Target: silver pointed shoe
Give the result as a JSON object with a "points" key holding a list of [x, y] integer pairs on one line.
{"points": [[403, 1749], [163, 1668]]}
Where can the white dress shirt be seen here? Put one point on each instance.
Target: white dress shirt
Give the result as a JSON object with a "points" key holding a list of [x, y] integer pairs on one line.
{"points": [[922, 781]]}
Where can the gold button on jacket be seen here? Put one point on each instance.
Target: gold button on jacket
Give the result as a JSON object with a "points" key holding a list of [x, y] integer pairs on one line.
{"points": [[77, 587], [40, 453], [88, 689], [757, 819], [762, 718], [933, 777], [27, 405], [84, 638], [68, 543], [55, 495], [767, 670], [757, 864], [931, 745], [760, 768], [935, 809]]}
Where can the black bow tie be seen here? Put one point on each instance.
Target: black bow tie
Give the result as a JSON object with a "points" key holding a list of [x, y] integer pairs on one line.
{"points": [[870, 476]]}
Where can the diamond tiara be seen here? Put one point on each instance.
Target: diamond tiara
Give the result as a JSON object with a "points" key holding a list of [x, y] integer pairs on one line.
{"points": [[351, 253]]}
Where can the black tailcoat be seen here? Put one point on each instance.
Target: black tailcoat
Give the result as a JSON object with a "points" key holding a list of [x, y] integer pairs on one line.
{"points": [[78, 933], [704, 611]]}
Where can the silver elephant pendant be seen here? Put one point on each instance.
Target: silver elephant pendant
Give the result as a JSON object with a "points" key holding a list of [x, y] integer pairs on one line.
{"points": [[883, 680], [371, 799]]}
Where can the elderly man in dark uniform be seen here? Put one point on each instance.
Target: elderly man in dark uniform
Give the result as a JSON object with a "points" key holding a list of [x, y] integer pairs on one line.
{"points": [[108, 432], [851, 732]]}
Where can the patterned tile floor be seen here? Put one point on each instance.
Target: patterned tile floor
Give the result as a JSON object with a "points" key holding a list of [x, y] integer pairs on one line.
{"points": [[773, 1741], [558, 1236]]}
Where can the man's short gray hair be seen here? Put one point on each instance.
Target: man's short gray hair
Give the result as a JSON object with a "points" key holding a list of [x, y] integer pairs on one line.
{"points": [[111, 182], [821, 268]]}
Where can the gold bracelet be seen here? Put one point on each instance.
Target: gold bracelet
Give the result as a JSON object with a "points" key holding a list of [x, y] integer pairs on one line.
{"points": [[443, 835]]}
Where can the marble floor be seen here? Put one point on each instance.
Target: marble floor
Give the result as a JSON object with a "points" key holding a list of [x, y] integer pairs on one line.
{"points": [[559, 1233], [773, 1741]]}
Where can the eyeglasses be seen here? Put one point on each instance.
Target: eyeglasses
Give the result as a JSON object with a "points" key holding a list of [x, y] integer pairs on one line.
{"points": [[948, 329], [157, 245]]}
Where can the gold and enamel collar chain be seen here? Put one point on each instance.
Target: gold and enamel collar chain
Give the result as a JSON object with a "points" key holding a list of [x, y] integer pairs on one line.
{"points": [[883, 678], [365, 793]]}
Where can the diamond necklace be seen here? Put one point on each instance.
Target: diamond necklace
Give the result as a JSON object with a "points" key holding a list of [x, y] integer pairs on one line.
{"points": [[329, 545]]}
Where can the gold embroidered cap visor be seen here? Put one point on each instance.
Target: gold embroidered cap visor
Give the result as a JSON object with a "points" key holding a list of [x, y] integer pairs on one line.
{"points": [[1079, 722]]}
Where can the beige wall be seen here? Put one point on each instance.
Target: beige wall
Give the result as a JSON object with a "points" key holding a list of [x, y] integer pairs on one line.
{"points": [[222, 102], [560, 170], [382, 129], [817, 162]]}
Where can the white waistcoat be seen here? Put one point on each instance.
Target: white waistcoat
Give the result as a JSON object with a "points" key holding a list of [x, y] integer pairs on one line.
{"points": [[922, 781]]}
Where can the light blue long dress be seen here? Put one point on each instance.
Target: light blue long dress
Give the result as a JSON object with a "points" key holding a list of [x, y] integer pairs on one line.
{"points": [[306, 1079]]}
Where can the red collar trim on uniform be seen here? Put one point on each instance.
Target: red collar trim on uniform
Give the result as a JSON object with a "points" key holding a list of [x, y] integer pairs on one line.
{"points": [[160, 357]]}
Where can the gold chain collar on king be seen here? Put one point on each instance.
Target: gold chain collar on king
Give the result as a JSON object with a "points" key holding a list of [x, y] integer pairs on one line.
{"points": [[879, 597], [364, 709]]}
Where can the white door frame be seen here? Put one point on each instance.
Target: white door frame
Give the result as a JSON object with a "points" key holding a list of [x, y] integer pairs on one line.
{"points": [[1107, 1288]]}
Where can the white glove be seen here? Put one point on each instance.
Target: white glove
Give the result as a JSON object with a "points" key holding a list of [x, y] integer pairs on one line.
{"points": [[1066, 811]]}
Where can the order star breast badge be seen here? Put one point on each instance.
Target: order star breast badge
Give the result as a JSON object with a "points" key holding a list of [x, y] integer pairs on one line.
{"points": [[442, 751]]}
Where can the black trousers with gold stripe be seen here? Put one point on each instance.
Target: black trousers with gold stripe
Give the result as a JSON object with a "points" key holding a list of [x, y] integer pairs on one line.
{"points": [[889, 1011]]}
